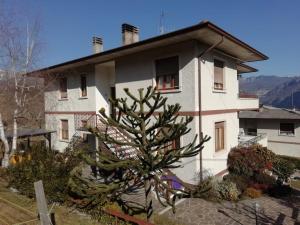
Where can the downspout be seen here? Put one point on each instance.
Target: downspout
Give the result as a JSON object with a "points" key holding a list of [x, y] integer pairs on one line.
{"points": [[199, 96]]}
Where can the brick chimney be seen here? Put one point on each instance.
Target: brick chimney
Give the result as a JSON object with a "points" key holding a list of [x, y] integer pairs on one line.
{"points": [[130, 34], [97, 45]]}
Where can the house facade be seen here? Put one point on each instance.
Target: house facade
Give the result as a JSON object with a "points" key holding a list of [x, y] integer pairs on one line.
{"points": [[281, 128], [197, 67]]}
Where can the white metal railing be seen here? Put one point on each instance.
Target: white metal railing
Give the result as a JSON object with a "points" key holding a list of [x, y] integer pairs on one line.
{"points": [[254, 140]]}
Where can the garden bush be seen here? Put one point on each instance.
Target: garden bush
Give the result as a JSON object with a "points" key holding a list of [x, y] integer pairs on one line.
{"points": [[51, 167], [294, 160], [242, 182], [283, 168], [266, 179], [227, 190], [249, 160], [253, 192]]}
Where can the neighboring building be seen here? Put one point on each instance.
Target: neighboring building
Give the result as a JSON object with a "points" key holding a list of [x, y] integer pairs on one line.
{"points": [[197, 66], [280, 127]]}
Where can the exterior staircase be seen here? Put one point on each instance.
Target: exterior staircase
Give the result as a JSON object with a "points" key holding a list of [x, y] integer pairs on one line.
{"points": [[97, 121]]}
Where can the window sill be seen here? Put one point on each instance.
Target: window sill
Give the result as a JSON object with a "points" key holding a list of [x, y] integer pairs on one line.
{"points": [[83, 97], [64, 140], [219, 91], [287, 135], [63, 99], [163, 91]]}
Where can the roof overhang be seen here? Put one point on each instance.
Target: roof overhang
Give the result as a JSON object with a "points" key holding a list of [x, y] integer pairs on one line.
{"points": [[243, 68], [205, 32]]}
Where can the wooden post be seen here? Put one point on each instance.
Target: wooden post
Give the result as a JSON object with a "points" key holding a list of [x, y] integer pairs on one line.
{"points": [[41, 203]]}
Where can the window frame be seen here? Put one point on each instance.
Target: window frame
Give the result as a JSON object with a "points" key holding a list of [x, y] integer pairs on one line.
{"points": [[62, 137], [81, 86], [282, 133], [60, 88], [173, 76], [223, 75], [217, 149]]}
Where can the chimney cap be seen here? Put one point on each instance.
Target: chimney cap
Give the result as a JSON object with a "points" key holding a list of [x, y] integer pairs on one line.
{"points": [[128, 27], [97, 40]]}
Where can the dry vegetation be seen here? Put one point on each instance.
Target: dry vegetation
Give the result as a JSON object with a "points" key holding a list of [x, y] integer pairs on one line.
{"points": [[15, 208]]}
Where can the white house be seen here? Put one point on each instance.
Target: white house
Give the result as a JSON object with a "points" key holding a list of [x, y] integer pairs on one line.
{"points": [[197, 66], [280, 128]]}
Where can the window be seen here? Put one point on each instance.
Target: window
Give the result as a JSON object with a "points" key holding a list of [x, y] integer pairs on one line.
{"points": [[219, 136], [84, 123], [218, 75], [64, 130], [252, 131], [167, 73], [287, 129], [175, 144], [83, 86], [63, 88]]}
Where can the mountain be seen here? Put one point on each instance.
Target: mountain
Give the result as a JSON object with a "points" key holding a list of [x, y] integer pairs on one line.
{"points": [[283, 92], [261, 85]]}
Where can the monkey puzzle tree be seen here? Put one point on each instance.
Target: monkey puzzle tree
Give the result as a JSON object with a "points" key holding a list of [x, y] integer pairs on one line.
{"points": [[152, 127]]}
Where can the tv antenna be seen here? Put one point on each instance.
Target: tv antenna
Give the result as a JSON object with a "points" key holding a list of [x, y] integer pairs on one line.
{"points": [[162, 22]]}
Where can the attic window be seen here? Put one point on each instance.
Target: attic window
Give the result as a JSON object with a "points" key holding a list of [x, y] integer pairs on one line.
{"points": [[287, 129], [167, 73]]}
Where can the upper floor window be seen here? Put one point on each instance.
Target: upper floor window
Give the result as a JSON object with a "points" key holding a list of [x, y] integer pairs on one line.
{"points": [[83, 88], [63, 87], [218, 75], [287, 129], [64, 130], [219, 136], [167, 73]]}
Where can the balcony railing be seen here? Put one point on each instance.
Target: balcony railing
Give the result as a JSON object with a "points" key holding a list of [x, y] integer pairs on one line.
{"points": [[246, 95]]}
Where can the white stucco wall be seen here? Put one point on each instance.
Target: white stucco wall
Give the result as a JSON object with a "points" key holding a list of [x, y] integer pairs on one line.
{"points": [[104, 80], [74, 102], [215, 162], [280, 144], [216, 99], [248, 103]]}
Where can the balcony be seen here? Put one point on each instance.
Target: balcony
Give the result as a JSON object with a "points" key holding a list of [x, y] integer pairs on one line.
{"points": [[248, 101]]}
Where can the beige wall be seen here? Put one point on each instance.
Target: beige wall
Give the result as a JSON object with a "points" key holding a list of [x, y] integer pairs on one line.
{"points": [[280, 144]]}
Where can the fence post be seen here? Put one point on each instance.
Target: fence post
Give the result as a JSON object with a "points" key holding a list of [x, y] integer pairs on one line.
{"points": [[41, 203]]}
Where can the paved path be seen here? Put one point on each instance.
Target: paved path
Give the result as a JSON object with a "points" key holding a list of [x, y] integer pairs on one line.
{"points": [[271, 211]]}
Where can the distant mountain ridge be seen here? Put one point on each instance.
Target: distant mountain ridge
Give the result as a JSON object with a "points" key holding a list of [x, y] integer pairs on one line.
{"points": [[283, 92]]}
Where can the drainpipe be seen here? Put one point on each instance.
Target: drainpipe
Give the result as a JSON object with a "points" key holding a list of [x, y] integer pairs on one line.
{"points": [[199, 96]]}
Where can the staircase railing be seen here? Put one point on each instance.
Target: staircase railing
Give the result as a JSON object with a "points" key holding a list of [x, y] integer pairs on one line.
{"points": [[253, 140]]}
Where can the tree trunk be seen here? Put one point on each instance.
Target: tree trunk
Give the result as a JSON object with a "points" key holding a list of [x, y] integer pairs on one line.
{"points": [[15, 133], [148, 203], [5, 160]]}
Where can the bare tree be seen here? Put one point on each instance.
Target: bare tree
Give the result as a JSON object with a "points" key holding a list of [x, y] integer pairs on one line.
{"points": [[19, 51]]}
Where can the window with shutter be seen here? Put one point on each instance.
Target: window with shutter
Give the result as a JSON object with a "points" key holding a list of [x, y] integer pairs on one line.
{"points": [[64, 130], [167, 73], [63, 88], [219, 136], [218, 75], [83, 86]]}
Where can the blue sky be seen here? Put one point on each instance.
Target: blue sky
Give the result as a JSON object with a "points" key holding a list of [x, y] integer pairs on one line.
{"points": [[271, 26]]}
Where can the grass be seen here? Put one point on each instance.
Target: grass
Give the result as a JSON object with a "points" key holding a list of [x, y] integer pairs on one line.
{"points": [[15, 208]]}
